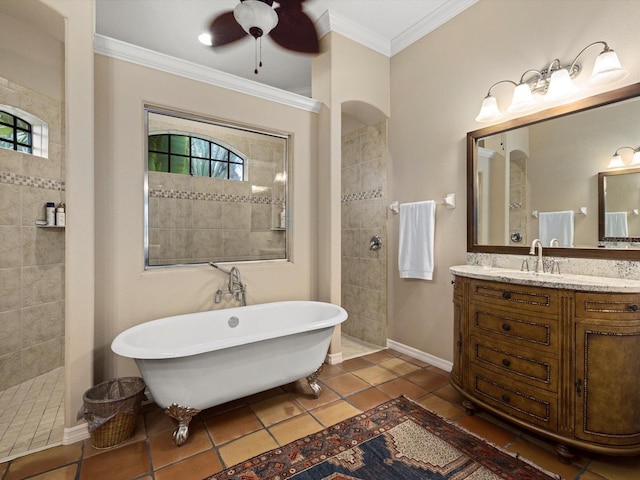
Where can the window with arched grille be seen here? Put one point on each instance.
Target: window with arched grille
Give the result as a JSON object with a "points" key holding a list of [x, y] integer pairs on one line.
{"points": [[192, 155], [15, 133]]}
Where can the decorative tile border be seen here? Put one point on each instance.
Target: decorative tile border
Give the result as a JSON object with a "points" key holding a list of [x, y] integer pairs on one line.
{"points": [[362, 195], [29, 181], [214, 197]]}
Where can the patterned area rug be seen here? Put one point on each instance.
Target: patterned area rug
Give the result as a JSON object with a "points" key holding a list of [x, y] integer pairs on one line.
{"points": [[398, 440]]}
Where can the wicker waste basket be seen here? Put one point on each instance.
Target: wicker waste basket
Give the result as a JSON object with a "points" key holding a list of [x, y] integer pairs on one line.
{"points": [[111, 409]]}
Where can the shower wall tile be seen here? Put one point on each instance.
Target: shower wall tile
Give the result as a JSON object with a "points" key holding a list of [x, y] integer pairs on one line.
{"points": [[364, 275], [10, 292], [207, 214], [33, 203], [42, 323], [10, 247], [175, 213], [42, 246], [10, 370], [42, 284], [207, 243], [10, 199], [260, 217], [236, 243], [10, 332], [31, 270], [236, 215], [41, 358]]}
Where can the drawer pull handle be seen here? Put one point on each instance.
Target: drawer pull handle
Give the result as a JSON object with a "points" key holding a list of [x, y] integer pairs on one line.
{"points": [[506, 362], [506, 327], [506, 295], [634, 308], [505, 398]]}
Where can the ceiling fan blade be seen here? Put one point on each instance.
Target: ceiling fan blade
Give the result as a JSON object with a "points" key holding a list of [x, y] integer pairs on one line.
{"points": [[295, 30], [225, 29]]}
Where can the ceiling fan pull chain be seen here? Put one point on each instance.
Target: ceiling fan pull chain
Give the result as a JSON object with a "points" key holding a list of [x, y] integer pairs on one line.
{"points": [[260, 52], [255, 58]]}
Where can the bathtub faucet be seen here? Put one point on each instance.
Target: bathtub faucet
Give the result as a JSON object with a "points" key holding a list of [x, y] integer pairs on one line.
{"points": [[235, 286]]}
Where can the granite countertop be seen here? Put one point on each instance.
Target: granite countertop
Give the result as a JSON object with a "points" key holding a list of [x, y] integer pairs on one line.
{"points": [[567, 281]]}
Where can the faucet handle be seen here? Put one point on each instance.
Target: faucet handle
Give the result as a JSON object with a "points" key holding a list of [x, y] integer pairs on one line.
{"points": [[555, 267], [525, 266]]}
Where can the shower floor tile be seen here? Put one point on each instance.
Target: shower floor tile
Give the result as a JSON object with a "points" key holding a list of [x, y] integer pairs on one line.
{"points": [[353, 347], [32, 415]]}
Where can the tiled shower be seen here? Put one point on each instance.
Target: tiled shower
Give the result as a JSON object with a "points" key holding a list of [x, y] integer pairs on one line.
{"points": [[32, 263], [364, 215]]}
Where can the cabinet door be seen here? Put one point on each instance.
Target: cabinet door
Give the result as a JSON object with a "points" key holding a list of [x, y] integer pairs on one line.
{"points": [[607, 383]]}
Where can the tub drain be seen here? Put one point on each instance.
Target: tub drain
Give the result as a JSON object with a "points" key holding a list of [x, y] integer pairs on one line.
{"points": [[233, 322]]}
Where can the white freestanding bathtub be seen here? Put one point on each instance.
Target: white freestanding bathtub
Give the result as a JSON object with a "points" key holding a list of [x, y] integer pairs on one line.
{"points": [[195, 361]]}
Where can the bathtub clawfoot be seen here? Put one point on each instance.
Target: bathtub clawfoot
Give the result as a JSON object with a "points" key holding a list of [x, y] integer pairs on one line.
{"points": [[313, 382], [183, 415]]}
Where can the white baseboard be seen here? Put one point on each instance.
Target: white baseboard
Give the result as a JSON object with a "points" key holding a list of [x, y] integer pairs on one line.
{"points": [[420, 355], [75, 434], [334, 358]]}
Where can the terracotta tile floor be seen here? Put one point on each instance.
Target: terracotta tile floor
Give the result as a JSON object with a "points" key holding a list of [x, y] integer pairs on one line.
{"points": [[225, 435]]}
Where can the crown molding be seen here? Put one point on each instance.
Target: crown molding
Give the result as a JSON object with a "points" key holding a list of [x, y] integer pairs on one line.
{"points": [[110, 47], [439, 16], [331, 22]]}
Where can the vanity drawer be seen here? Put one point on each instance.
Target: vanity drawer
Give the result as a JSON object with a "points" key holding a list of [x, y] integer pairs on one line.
{"points": [[522, 297], [517, 364], [530, 331], [537, 407], [611, 306]]}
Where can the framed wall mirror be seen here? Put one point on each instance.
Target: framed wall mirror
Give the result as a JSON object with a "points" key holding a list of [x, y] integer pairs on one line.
{"points": [[214, 191], [524, 174], [619, 208]]}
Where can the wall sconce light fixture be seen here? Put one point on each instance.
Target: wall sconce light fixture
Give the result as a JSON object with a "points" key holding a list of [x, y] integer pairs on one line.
{"points": [[553, 82], [616, 160]]}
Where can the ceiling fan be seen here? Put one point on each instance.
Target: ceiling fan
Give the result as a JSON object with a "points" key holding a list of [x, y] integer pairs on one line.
{"points": [[287, 25]]}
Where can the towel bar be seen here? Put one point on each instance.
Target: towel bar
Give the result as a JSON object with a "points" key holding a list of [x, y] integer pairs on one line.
{"points": [[449, 201], [581, 211]]}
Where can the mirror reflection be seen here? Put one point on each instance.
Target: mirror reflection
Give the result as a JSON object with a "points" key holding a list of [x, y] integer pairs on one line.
{"points": [[619, 194], [215, 192], [539, 179]]}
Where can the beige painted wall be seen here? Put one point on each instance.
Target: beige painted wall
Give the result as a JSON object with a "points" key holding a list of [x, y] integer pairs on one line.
{"points": [[126, 294], [344, 74], [437, 86], [79, 233]]}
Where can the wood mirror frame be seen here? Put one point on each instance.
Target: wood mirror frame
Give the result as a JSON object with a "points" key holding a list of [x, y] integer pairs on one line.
{"points": [[595, 101]]}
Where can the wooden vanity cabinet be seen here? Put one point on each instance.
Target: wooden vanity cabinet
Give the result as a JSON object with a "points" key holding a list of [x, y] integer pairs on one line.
{"points": [[562, 363]]}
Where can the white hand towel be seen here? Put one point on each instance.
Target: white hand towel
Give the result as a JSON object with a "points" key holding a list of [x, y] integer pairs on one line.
{"points": [[615, 224], [556, 225], [415, 251]]}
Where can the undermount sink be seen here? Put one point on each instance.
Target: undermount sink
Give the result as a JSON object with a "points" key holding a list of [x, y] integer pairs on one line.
{"points": [[551, 280]]}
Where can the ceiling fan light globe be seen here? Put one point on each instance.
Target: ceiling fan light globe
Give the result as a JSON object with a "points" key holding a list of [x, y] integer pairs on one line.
{"points": [[255, 17]]}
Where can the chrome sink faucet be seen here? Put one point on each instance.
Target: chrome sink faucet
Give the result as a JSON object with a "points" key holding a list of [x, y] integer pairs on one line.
{"points": [[539, 264]]}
